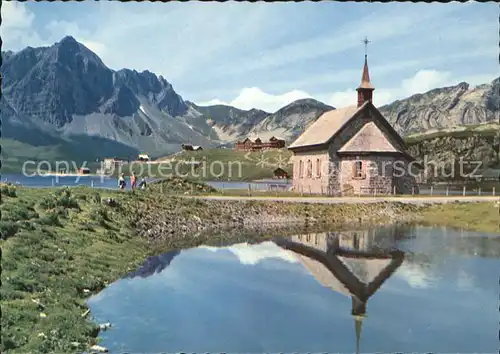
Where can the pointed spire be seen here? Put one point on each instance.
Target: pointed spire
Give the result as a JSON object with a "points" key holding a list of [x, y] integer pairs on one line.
{"points": [[365, 88], [365, 79]]}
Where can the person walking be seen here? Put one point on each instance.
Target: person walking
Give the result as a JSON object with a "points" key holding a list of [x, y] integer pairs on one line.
{"points": [[133, 181], [121, 181], [142, 185]]}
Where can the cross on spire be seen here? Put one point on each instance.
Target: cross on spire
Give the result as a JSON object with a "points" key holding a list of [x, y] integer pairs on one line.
{"points": [[366, 41], [365, 89]]}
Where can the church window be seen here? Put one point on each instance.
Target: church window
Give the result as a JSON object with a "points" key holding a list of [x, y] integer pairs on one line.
{"points": [[301, 169], [309, 168], [358, 170], [318, 168]]}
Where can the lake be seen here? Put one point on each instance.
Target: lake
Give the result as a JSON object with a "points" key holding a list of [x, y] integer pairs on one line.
{"points": [[390, 289], [112, 182]]}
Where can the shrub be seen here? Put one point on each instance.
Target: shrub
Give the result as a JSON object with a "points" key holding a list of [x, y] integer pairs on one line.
{"points": [[51, 219], [8, 190], [61, 198], [86, 226], [82, 197], [8, 229], [97, 198]]}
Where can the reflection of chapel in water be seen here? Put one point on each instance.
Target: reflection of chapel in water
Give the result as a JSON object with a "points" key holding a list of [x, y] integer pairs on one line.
{"points": [[352, 263]]}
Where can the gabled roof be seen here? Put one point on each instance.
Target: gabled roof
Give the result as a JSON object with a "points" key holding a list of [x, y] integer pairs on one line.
{"points": [[330, 123], [326, 126], [369, 138]]}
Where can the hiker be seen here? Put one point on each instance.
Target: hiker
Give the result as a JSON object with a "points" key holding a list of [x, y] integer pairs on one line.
{"points": [[133, 181], [142, 185], [121, 181]]}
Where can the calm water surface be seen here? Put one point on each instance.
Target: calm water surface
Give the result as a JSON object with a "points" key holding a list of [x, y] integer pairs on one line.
{"points": [[407, 289], [111, 182]]}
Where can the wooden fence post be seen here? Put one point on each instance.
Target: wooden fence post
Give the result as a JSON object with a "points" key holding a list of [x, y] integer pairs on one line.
{"points": [[463, 192], [394, 190], [249, 190], [493, 191], [432, 190], [447, 190], [479, 191], [413, 190]]}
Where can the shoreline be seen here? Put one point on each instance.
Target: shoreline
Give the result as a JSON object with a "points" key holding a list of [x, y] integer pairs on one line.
{"points": [[84, 239]]}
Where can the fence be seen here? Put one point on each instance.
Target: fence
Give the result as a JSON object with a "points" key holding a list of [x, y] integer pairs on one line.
{"points": [[282, 189], [422, 190]]}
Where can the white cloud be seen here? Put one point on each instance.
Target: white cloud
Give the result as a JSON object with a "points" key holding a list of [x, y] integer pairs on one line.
{"points": [[253, 254], [17, 26], [256, 98], [415, 276], [423, 81], [72, 29], [96, 47]]}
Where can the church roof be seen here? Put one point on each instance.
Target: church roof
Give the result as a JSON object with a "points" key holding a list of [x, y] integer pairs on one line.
{"points": [[326, 126], [369, 138]]}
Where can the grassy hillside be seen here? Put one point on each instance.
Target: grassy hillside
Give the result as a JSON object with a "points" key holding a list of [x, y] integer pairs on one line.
{"points": [[214, 164]]}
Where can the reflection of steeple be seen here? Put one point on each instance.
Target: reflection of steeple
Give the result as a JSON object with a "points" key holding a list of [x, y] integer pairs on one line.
{"points": [[347, 263], [358, 323], [154, 264]]}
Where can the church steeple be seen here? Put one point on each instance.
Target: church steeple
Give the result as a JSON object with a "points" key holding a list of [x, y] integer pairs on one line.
{"points": [[365, 89]]}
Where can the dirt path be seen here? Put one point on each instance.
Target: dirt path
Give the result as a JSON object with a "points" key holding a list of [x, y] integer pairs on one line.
{"points": [[356, 200]]}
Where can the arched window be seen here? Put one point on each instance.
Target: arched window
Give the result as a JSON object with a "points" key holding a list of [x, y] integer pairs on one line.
{"points": [[318, 168], [309, 168], [358, 170], [301, 169]]}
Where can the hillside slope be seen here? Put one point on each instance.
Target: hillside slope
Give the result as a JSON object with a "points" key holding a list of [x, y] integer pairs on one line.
{"points": [[445, 108]]}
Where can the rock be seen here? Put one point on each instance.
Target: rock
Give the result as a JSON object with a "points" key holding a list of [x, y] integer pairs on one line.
{"points": [[111, 202], [104, 326], [98, 349], [36, 301]]}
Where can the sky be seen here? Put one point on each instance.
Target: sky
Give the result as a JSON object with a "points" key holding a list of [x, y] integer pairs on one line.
{"points": [[266, 55]]}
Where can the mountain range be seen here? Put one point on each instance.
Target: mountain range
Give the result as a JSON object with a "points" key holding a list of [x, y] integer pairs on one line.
{"points": [[63, 97]]}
